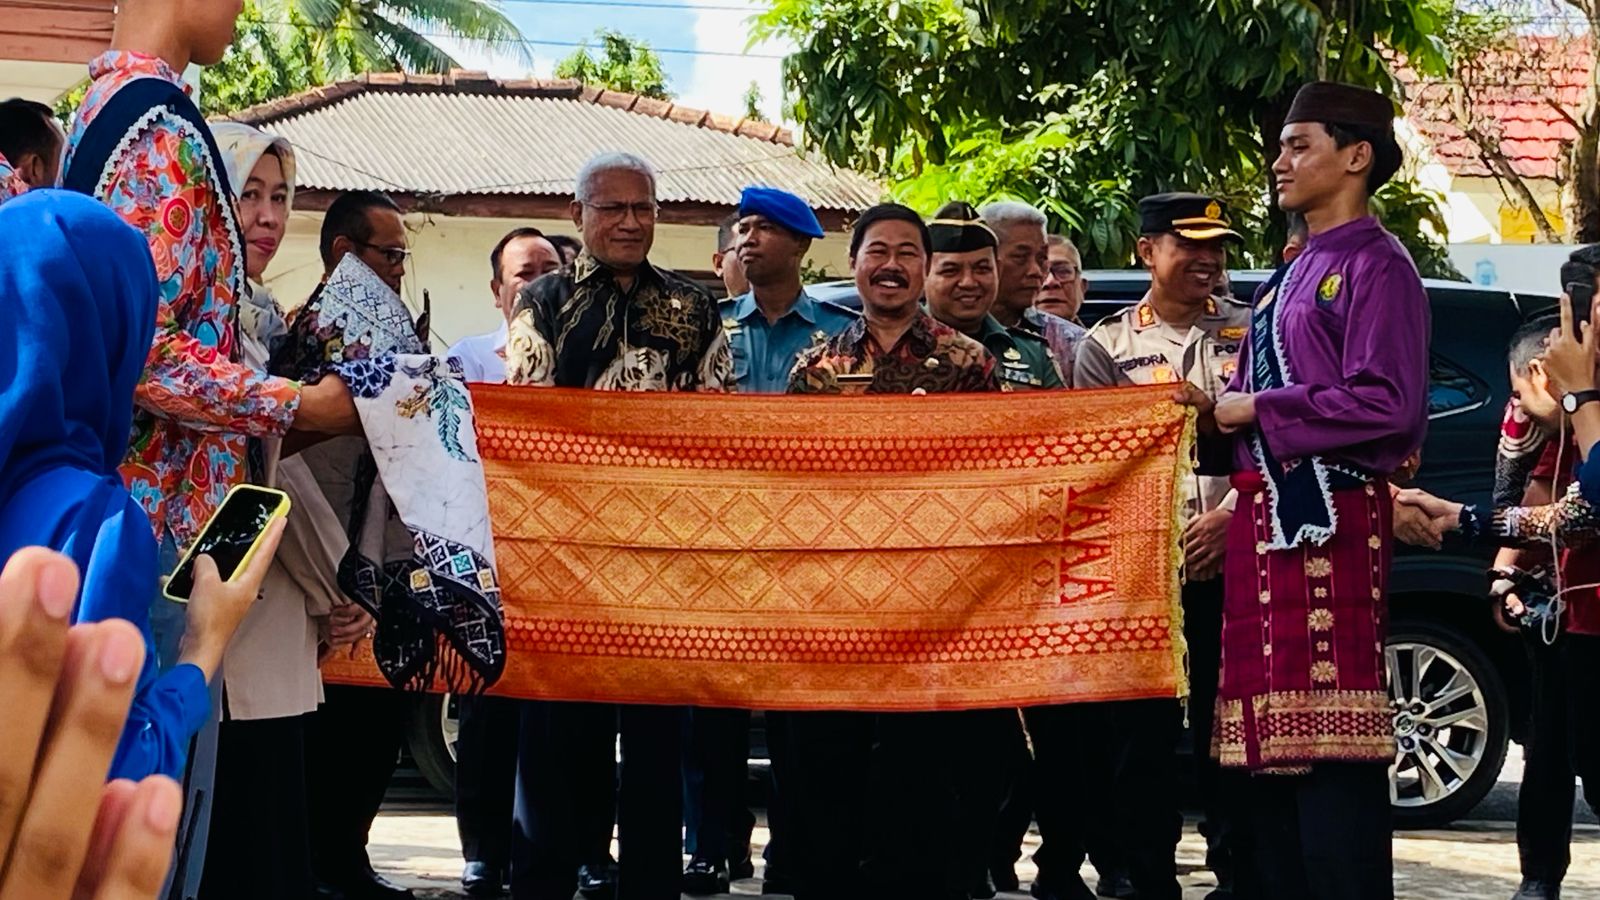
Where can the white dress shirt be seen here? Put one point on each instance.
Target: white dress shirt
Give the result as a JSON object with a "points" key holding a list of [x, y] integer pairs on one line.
{"points": [[482, 356]]}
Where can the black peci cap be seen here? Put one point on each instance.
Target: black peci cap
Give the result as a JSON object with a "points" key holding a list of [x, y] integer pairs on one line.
{"points": [[1194, 216], [957, 228], [1341, 104]]}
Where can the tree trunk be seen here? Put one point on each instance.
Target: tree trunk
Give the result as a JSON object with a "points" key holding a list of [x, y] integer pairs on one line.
{"points": [[1271, 114], [1489, 151], [1583, 209], [1509, 177]]}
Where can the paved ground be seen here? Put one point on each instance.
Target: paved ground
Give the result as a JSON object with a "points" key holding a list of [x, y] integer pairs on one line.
{"points": [[1475, 859]]}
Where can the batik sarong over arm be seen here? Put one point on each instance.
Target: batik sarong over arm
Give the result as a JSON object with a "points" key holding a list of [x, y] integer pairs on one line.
{"points": [[421, 556]]}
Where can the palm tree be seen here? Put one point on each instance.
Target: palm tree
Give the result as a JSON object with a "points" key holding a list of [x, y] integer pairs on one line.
{"points": [[394, 35], [286, 46]]}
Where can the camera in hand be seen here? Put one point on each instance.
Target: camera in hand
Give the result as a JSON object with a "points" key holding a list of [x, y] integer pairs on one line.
{"points": [[1536, 589]]}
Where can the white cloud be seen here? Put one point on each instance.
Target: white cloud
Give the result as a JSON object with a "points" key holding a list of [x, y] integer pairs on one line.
{"points": [[718, 83]]}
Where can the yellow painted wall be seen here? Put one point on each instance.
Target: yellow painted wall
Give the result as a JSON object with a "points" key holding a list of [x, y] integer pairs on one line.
{"points": [[1480, 212]]}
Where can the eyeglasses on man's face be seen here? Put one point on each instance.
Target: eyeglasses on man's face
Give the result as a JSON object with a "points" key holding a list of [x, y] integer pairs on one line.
{"points": [[616, 212], [394, 256], [1064, 271]]}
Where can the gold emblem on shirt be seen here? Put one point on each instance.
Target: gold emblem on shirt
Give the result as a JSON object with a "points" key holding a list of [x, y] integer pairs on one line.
{"points": [[1012, 353], [1329, 288], [1231, 333]]}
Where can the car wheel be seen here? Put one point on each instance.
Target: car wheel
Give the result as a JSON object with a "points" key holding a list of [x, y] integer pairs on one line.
{"points": [[431, 737], [1451, 723]]}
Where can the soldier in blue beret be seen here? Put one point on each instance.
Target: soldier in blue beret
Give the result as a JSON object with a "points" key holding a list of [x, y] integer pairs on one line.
{"points": [[769, 326]]}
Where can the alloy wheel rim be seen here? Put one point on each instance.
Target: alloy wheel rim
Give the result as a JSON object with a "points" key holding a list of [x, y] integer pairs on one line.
{"points": [[1441, 724]]}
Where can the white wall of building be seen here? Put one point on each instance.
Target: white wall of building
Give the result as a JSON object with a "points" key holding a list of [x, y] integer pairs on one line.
{"points": [[1466, 218], [450, 259]]}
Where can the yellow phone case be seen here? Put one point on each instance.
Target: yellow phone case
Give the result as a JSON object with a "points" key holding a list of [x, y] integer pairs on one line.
{"points": [[278, 512]]}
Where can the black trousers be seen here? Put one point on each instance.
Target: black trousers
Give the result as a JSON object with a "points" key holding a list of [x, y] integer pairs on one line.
{"points": [[1202, 627], [1062, 856], [1016, 812], [1565, 743], [352, 746], [486, 774], [259, 846], [779, 752], [563, 747], [824, 785], [716, 817], [1325, 835], [986, 742], [1108, 772], [915, 846]]}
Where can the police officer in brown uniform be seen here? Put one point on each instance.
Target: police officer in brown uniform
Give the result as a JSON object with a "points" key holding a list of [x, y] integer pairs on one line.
{"points": [[1179, 333]]}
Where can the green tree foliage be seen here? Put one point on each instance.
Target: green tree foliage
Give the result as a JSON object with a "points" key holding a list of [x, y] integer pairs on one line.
{"points": [[752, 102], [1080, 106], [623, 64], [286, 46]]}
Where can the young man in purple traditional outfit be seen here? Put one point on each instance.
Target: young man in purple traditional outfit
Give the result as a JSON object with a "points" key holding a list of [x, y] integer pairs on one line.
{"points": [[1330, 398]]}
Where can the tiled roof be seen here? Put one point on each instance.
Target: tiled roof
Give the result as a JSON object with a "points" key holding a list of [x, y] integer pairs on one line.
{"points": [[1524, 111], [468, 134]]}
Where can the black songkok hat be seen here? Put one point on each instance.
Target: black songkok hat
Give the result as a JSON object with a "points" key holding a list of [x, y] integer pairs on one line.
{"points": [[957, 228], [1342, 104]]}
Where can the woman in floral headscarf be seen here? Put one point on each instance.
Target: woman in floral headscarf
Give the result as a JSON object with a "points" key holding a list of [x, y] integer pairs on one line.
{"points": [[258, 845]]}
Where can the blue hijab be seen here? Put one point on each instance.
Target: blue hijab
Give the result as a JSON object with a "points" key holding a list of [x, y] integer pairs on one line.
{"points": [[77, 314]]}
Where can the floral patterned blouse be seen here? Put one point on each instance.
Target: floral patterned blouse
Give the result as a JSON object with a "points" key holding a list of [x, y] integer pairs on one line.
{"points": [[11, 184], [197, 405]]}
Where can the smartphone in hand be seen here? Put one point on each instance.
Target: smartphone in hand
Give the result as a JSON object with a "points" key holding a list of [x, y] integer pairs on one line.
{"points": [[231, 537], [1580, 295]]}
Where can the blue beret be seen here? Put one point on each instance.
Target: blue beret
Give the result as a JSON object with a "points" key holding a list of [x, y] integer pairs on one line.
{"points": [[781, 207]]}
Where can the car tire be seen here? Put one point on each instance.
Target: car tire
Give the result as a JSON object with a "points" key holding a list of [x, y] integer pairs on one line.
{"points": [[1452, 724], [431, 738]]}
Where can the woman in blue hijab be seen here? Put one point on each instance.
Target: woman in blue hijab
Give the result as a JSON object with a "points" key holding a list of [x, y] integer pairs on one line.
{"points": [[77, 314]]}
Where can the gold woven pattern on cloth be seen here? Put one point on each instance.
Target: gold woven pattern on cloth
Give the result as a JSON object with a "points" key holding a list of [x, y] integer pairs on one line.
{"points": [[864, 552]]}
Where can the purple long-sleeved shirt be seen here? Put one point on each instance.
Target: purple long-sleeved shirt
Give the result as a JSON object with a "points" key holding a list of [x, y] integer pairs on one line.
{"points": [[1354, 326]]}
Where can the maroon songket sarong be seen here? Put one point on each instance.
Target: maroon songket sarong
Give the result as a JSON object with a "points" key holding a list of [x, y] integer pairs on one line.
{"points": [[1303, 678]]}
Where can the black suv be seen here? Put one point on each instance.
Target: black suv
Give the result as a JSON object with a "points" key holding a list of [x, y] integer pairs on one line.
{"points": [[1460, 684]]}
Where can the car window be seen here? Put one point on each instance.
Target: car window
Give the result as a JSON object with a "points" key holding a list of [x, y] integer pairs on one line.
{"points": [[1452, 389]]}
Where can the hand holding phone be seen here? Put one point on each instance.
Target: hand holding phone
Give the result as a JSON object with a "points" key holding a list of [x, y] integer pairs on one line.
{"points": [[1570, 360], [217, 606], [221, 574], [1580, 297]]}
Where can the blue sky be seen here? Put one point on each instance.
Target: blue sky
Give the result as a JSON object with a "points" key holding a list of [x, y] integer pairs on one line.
{"points": [[710, 82]]}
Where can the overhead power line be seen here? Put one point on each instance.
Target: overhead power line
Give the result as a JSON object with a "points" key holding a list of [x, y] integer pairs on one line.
{"points": [[526, 41]]}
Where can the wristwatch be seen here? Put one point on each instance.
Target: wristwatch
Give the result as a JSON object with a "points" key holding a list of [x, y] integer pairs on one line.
{"points": [[1572, 400]]}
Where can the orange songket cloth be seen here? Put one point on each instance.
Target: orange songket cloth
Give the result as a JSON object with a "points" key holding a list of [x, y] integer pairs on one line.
{"points": [[850, 552]]}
